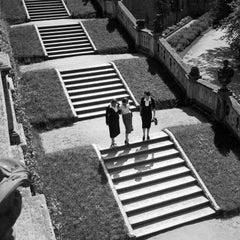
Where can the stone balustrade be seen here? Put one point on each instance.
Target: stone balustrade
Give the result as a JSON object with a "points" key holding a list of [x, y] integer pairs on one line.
{"points": [[222, 107]]}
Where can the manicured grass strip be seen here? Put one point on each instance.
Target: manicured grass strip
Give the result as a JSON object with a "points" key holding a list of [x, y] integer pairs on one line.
{"points": [[81, 8], [143, 74], [215, 154], [79, 198], [25, 43], [12, 11], [108, 36], [44, 99]]}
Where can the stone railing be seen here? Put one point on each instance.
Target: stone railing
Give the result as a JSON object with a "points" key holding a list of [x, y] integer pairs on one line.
{"points": [[222, 107]]}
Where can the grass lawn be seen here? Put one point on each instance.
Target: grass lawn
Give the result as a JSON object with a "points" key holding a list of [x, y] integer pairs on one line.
{"points": [[82, 8], [143, 74], [25, 44], [108, 36], [44, 99], [216, 156], [79, 198], [12, 11]]}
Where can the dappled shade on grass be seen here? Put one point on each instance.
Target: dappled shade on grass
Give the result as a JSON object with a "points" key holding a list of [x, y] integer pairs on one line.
{"points": [[216, 156], [108, 36], [25, 43], [44, 99], [80, 200], [146, 74]]}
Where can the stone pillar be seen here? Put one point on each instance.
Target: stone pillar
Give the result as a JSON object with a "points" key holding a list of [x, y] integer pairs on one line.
{"points": [[140, 24]]}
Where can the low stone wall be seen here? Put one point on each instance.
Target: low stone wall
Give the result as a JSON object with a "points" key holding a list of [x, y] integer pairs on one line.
{"points": [[219, 105]]}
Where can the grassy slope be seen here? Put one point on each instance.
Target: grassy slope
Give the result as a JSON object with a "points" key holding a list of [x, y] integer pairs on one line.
{"points": [[44, 99], [25, 42], [108, 36], [80, 200], [143, 74], [13, 11], [215, 155], [81, 8]]}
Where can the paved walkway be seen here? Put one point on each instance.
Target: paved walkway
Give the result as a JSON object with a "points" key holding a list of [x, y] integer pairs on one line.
{"points": [[96, 131]]}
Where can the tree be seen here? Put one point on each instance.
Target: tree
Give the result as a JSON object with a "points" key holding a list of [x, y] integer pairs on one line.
{"points": [[231, 25], [163, 7], [221, 9]]}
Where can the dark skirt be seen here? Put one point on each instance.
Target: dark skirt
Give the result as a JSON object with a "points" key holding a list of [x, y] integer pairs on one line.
{"points": [[127, 120], [114, 129], [146, 117]]}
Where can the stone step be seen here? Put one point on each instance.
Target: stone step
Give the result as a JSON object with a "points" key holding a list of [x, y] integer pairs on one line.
{"points": [[173, 222], [51, 28], [126, 163], [65, 16], [88, 72], [43, 4], [168, 211], [54, 56], [40, 7], [56, 36], [101, 94], [46, 11], [151, 166], [93, 84], [78, 49], [51, 14], [90, 115], [68, 46], [95, 108], [142, 205], [91, 102], [61, 32], [156, 188], [147, 180], [146, 148], [56, 44], [95, 89], [64, 39]]}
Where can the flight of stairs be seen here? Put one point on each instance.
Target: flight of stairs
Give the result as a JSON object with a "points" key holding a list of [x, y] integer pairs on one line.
{"points": [[65, 41], [39, 10], [91, 89], [155, 188], [34, 222]]}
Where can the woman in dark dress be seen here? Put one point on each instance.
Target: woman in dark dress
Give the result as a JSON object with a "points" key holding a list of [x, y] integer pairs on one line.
{"points": [[112, 120], [147, 107]]}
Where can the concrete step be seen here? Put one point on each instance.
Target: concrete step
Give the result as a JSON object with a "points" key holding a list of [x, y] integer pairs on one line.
{"points": [[90, 115], [147, 147], [69, 35], [173, 222], [95, 108], [61, 32], [48, 18], [101, 94], [151, 166], [53, 27], [64, 39], [156, 201], [126, 163], [68, 46], [54, 56], [93, 84], [95, 89], [42, 7], [46, 12], [87, 72], [71, 42], [168, 211], [91, 102], [51, 14], [156, 188], [73, 50], [148, 179]]}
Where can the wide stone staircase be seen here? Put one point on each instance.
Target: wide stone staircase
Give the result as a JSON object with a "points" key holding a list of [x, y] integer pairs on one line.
{"points": [[66, 40], [155, 186], [39, 10], [91, 89]]}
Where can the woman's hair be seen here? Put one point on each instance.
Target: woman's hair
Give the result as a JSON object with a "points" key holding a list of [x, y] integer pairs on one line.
{"points": [[124, 100], [114, 100], [147, 93]]}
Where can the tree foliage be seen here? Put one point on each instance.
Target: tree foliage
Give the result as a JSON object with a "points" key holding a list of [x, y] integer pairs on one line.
{"points": [[164, 6]]}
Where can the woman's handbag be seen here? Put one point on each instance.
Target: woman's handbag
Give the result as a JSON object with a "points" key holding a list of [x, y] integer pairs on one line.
{"points": [[155, 121]]}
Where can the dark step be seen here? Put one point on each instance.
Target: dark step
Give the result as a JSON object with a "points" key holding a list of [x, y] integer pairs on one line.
{"points": [[58, 26], [69, 35], [49, 18], [68, 47], [70, 54], [61, 32], [56, 44], [65, 39], [73, 50]]}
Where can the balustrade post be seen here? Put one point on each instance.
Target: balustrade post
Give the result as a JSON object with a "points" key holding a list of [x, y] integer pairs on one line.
{"points": [[140, 24]]}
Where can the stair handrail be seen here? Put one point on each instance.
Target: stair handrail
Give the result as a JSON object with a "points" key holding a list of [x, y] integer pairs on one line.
{"points": [[40, 40], [110, 182], [65, 6], [190, 165], [90, 40], [26, 11], [125, 84], [66, 93]]}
